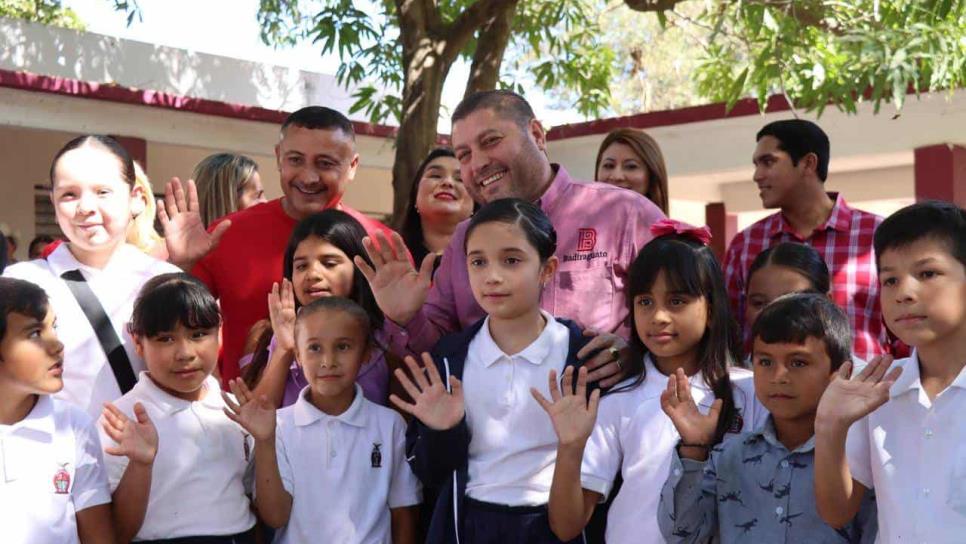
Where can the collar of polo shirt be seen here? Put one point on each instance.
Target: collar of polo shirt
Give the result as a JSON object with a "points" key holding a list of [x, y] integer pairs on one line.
{"points": [[910, 379], [306, 413], [62, 260], [767, 432], [489, 353], [656, 382], [169, 404], [38, 420]]}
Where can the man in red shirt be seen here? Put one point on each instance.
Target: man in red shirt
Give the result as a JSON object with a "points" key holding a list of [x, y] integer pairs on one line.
{"points": [[791, 164], [317, 158]]}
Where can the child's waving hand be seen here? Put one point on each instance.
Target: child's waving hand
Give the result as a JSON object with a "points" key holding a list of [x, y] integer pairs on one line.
{"points": [[696, 429], [572, 413], [281, 312], [846, 401], [255, 415], [432, 404], [136, 439]]}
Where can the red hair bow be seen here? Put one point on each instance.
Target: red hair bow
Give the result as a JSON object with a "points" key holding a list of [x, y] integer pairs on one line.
{"points": [[670, 226]]}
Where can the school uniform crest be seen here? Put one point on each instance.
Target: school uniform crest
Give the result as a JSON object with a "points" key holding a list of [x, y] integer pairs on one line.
{"points": [[62, 480], [376, 456]]}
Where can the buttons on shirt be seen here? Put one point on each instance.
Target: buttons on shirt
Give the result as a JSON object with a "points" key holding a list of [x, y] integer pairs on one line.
{"points": [[928, 433], [784, 463], [779, 511], [925, 491]]}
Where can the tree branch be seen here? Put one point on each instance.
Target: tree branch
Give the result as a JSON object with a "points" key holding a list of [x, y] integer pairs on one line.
{"points": [[472, 18], [652, 5], [490, 46], [418, 14]]}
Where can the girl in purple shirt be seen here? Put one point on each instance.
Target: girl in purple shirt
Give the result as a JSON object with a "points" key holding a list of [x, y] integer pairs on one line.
{"points": [[318, 263]]}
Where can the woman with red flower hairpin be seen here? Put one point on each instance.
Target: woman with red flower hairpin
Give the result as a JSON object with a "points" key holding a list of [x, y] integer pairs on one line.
{"points": [[683, 338]]}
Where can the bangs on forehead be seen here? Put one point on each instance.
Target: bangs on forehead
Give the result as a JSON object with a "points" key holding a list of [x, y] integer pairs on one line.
{"points": [[171, 299], [676, 259]]}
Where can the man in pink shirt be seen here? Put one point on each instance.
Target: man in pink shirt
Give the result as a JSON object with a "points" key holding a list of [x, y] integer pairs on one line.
{"points": [[502, 150]]}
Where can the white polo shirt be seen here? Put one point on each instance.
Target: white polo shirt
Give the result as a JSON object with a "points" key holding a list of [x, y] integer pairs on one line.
{"points": [[88, 379], [912, 451], [197, 486], [635, 437], [50, 469], [513, 447], [343, 472]]}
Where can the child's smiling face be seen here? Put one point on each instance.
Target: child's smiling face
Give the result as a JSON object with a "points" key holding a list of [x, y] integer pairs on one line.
{"points": [[790, 378], [506, 274], [93, 202], [331, 347], [923, 292], [31, 356], [320, 269], [179, 361]]}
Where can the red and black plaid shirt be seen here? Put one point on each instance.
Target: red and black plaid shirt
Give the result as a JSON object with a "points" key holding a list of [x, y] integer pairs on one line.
{"points": [[845, 242]]}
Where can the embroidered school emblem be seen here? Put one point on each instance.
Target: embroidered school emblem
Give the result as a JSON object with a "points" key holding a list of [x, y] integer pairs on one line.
{"points": [[62, 480], [586, 239], [376, 456]]}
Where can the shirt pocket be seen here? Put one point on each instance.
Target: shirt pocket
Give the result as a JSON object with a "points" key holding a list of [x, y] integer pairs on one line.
{"points": [[586, 296], [957, 483]]}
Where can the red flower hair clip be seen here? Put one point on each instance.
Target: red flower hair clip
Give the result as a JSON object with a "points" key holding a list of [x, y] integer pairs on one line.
{"points": [[671, 226]]}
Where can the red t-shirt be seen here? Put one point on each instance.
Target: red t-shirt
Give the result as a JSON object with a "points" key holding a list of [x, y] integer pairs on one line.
{"points": [[241, 269]]}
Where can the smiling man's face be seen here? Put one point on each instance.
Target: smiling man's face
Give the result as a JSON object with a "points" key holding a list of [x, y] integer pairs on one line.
{"points": [[314, 166], [499, 158]]}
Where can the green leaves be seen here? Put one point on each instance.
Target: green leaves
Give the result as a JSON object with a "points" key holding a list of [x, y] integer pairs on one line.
{"points": [[822, 52], [555, 45], [48, 12]]}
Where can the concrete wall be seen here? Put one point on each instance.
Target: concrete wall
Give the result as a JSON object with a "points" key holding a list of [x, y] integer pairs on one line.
{"points": [[98, 58]]}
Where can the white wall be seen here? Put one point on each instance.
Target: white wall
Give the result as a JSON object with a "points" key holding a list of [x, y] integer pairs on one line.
{"points": [[87, 56]]}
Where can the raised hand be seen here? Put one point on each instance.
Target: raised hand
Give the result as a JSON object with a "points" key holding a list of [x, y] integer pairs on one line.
{"points": [[185, 235], [281, 312], [255, 415], [135, 439], [693, 426], [398, 287], [846, 401], [432, 404], [573, 415]]}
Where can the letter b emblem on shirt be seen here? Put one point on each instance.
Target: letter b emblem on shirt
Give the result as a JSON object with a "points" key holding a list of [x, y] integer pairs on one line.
{"points": [[586, 239]]}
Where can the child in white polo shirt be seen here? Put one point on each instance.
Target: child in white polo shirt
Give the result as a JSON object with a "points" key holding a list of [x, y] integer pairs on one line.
{"points": [[52, 482], [93, 278], [331, 467], [903, 432], [176, 464]]}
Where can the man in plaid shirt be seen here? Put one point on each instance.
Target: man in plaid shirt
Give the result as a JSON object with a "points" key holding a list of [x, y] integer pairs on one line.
{"points": [[791, 164]]}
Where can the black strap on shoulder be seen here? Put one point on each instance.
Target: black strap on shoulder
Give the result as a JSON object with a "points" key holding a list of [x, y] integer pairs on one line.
{"points": [[101, 323]]}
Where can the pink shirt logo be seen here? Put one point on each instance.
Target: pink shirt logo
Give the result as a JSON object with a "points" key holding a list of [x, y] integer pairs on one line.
{"points": [[586, 239]]}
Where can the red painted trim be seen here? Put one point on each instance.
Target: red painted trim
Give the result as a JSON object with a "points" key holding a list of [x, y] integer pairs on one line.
{"points": [[940, 173], [723, 227], [693, 114], [27, 81]]}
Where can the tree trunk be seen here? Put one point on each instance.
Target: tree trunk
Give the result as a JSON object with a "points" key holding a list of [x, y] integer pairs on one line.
{"points": [[490, 47], [429, 50], [422, 94]]}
